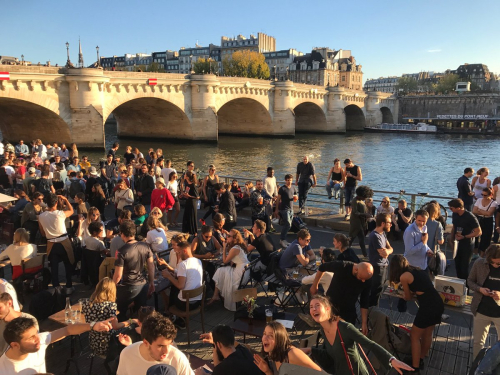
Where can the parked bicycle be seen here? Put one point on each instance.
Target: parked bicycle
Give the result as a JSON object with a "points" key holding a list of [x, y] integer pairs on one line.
{"points": [[422, 203]]}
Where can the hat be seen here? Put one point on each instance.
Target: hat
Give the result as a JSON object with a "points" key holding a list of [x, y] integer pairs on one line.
{"points": [[93, 171], [161, 180], [161, 370], [31, 170]]}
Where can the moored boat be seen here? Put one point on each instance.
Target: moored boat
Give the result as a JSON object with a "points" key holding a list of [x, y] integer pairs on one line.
{"points": [[421, 127]]}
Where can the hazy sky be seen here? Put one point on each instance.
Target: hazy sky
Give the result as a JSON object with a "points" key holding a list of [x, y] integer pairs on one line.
{"points": [[388, 37]]}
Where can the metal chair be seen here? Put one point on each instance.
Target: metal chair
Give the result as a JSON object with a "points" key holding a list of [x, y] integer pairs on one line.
{"points": [[247, 271], [190, 294]]}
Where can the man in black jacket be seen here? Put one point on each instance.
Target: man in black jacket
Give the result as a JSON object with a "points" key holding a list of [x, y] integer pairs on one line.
{"points": [[145, 186], [227, 206]]}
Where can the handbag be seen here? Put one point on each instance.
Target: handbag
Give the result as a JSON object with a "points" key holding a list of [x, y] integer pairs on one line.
{"points": [[347, 356]]}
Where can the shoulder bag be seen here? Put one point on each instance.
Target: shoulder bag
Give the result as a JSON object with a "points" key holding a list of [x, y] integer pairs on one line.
{"points": [[347, 356]]}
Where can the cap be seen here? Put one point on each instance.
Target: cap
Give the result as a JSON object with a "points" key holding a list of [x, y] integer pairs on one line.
{"points": [[161, 370], [161, 180], [31, 170], [93, 171]]}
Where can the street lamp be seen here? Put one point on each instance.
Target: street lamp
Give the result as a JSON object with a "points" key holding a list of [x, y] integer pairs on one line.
{"points": [[68, 63], [98, 64], [22, 59], [274, 68]]}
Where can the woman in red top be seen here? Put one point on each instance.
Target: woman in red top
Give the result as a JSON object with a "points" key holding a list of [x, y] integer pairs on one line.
{"points": [[162, 198]]}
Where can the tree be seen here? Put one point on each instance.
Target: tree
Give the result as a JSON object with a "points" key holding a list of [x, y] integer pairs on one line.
{"points": [[155, 67], [447, 83], [205, 66], [406, 85], [247, 64]]}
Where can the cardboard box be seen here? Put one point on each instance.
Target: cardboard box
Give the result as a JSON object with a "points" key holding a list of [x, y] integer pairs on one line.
{"points": [[453, 291]]}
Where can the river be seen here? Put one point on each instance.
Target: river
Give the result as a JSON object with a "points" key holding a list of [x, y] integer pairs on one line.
{"points": [[413, 162]]}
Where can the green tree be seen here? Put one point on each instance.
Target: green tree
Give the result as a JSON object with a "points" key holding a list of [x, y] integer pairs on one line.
{"points": [[155, 67], [447, 83], [406, 85], [247, 64], [205, 66]]}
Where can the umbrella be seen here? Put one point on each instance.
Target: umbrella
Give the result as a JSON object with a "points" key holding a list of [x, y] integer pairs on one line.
{"points": [[6, 198]]}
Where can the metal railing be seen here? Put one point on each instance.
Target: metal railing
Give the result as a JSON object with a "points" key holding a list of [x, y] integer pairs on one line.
{"points": [[416, 200]]}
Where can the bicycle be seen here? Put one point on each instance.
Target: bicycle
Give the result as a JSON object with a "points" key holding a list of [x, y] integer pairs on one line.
{"points": [[422, 204]]}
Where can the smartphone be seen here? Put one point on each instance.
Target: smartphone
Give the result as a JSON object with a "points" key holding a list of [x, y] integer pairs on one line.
{"points": [[207, 369], [160, 267]]}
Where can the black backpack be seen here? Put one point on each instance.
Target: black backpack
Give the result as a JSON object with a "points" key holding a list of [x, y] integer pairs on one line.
{"points": [[43, 186], [46, 303], [74, 188]]}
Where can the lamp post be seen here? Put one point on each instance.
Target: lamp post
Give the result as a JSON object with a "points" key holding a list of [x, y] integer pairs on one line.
{"points": [[274, 68], [22, 59], [98, 64], [68, 63]]}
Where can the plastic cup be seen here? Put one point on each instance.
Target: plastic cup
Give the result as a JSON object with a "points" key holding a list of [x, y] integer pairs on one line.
{"points": [[261, 200], [295, 197], [269, 315]]}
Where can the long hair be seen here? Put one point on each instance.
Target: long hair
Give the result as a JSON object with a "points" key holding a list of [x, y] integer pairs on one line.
{"points": [[21, 235], [325, 301], [399, 265], [154, 223], [91, 211], [282, 343], [98, 190], [238, 238], [105, 291], [492, 252]]}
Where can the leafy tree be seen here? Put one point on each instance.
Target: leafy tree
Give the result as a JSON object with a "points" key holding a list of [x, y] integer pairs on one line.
{"points": [[447, 83], [155, 67], [406, 85], [247, 64], [205, 66]]}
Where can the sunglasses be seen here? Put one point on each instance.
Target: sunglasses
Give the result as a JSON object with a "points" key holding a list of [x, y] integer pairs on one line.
{"points": [[495, 263]]}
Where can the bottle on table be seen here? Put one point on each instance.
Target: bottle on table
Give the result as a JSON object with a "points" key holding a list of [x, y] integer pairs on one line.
{"points": [[68, 314]]}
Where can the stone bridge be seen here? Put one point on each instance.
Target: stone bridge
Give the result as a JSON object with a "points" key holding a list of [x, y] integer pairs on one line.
{"points": [[72, 105]]}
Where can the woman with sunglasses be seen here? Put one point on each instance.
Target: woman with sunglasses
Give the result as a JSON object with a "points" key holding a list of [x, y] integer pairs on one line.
{"points": [[83, 229], [484, 280], [485, 209], [29, 219]]}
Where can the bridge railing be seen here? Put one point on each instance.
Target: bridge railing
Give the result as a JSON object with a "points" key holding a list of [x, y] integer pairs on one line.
{"points": [[320, 199], [123, 74]]}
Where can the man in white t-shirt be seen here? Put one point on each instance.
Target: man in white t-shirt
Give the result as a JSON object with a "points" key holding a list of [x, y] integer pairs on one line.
{"points": [[165, 172], [26, 354], [156, 348], [52, 225], [189, 276], [5, 286]]}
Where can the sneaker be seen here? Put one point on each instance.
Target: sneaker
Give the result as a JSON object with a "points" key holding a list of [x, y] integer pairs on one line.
{"points": [[272, 230], [284, 243], [347, 217], [69, 291], [202, 222], [301, 212], [309, 320], [180, 323]]}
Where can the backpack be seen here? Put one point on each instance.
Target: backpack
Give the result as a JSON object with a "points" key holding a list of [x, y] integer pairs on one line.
{"points": [[43, 186], [74, 188], [297, 224], [437, 263]]}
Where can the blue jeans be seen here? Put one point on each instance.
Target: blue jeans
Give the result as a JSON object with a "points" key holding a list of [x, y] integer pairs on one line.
{"points": [[490, 364], [350, 192], [336, 188], [304, 187], [287, 217]]}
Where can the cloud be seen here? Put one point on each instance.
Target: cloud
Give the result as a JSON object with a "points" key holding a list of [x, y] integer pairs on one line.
{"points": [[435, 50]]}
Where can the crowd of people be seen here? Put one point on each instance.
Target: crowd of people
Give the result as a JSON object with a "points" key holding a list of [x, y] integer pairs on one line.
{"points": [[120, 212]]}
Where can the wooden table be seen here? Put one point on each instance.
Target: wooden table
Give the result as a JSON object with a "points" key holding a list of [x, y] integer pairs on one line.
{"points": [[255, 329], [197, 362]]}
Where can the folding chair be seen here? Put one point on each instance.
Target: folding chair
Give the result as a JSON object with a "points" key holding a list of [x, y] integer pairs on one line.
{"points": [[289, 286], [268, 276], [244, 281]]}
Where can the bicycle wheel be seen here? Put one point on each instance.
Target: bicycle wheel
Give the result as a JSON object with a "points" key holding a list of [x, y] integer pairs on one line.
{"points": [[442, 211]]}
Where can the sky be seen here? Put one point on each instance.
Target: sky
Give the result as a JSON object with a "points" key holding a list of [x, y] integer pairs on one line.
{"points": [[387, 37]]}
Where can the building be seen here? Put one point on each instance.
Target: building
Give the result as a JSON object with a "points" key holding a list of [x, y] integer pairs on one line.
{"points": [[9, 60], [382, 84], [172, 65], [282, 61], [478, 74], [114, 62], [161, 58], [260, 43], [188, 56], [324, 66]]}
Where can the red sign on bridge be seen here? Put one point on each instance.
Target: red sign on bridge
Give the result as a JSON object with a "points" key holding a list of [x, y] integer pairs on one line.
{"points": [[152, 81], [4, 76]]}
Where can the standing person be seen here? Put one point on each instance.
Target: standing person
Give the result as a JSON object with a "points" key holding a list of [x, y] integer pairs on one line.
{"points": [[123, 196], [358, 220], [128, 155], [162, 198], [480, 181], [98, 199], [271, 187], [29, 219], [465, 229], [336, 179], [434, 227], [26, 353], [165, 172], [108, 173], [352, 176], [464, 187], [284, 207], [73, 151], [52, 224], [189, 222], [340, 341], [350, 281], [144, 186], [403, 216], [131, 259], [341, 243], [484, 280], [430, 305], [190, 168], [22, 150], [158, 334], [209, 193], [484, 209], [379, 250], [227, 206], [172, 186], [259, 199], [305, 178], [415, 239], [114, 149]]}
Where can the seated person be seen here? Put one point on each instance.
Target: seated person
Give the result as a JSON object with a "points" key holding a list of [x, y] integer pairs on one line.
{"points": [[258, 240], [19, 250], [227, 354], [341, 243], [82, 207], [140, 214], [205, 246], [297, 252], [5, 286], [156, 236], [155, 348], [404, 216], [8, 313], [189, 276], [113, 226]]}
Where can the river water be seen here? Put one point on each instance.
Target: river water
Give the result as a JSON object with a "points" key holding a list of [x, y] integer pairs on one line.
{"points": [[414, 162]]}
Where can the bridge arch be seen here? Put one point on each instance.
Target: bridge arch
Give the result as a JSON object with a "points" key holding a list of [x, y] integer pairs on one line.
{"points": [[354, 118], [309, 117], [151, 117], [27, 120], [386, 115], [244, 116]]}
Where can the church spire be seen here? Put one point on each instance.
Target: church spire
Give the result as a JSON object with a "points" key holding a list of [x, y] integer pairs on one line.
{"points": [[80, 54]]}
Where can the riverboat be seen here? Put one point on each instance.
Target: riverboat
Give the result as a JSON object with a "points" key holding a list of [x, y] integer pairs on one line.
{"points": [[402, 128]]}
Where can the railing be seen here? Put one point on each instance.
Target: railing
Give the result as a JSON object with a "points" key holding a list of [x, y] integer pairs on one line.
{"points": [[415, 202]]}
